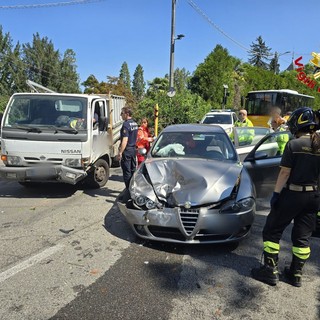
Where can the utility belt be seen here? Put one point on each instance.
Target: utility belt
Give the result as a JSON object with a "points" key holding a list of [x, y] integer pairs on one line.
{"points": [[299, 188]]}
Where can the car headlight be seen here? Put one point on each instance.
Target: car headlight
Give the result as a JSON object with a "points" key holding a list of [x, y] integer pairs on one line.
{"points": [[75, 163], [238, 206], [14, 161], [142, 201]]}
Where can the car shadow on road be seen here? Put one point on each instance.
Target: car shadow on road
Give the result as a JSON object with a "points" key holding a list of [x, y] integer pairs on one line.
{"points": [[116, 224], [101, 192], [37, 190]]}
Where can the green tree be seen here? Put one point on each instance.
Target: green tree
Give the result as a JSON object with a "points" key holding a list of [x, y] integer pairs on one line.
{"points": [[210, 76], [181, 79], [18, 71], [42, 61], [124, 76], [6, 63], [138, 83], [259, 54], [45, 66], [157, 85], [91, 85], [113, 85], [184, 107], [68, 70]]}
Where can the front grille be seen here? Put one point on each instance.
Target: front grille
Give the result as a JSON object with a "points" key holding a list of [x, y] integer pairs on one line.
{"points": [[38, 161], [189, 218], [167, 232], [206, 237]]}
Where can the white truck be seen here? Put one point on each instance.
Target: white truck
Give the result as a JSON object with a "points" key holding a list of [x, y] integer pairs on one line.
{"points": [[60, 137]]}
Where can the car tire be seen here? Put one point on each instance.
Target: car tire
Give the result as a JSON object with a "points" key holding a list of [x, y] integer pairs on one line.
{"points": [[99, 176]]}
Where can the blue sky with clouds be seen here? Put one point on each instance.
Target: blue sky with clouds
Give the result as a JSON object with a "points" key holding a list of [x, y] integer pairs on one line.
{"points": [[104, 34]]}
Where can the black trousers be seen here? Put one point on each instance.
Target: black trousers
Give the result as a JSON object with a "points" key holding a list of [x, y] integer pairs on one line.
{"points": [[128, 164], [302, 208]]}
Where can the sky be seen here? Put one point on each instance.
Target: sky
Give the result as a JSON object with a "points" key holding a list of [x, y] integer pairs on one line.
{"points": [[106, 33]]}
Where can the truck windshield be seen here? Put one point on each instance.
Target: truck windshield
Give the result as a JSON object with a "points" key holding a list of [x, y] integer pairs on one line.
{"points": [[47, 112]]}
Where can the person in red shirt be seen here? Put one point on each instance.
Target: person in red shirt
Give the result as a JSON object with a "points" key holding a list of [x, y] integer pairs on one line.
{"points": [[143, 140]]}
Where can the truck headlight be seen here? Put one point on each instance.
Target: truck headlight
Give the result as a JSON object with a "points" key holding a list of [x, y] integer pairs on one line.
{"points": [[74, 163], [14, 161], [238, 206]]}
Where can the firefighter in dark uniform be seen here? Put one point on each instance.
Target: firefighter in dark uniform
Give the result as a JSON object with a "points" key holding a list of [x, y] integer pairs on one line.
{"points": [[296, 198], [127, 149]]}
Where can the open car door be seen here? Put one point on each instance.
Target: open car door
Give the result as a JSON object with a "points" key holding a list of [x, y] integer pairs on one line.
{"points": [[246, 138], [263, 161]]}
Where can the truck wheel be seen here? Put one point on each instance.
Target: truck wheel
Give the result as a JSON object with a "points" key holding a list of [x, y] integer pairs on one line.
{"points": [[98, 177]]}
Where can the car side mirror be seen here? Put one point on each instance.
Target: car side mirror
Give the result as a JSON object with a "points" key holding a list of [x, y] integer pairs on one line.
{"points": [[260, 155]]}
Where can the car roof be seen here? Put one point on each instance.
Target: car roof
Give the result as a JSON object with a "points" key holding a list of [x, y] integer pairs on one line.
{"points": [[219, 112], [190, 127]]}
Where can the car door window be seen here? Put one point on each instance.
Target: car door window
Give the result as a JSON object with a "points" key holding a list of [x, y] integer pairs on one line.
{"points": [[273, 146], [263, 162], [249, 136]]}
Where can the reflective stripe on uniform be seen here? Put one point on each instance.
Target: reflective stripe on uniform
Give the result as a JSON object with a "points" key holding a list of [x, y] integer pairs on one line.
{"points": [[301, 253], [271, 247]]}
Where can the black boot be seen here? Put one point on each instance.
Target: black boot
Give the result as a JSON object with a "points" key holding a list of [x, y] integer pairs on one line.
{"points": [[294, 273], [268, 273]]}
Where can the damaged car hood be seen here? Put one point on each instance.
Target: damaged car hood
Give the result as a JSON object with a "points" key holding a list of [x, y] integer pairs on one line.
{"points": [[177, 181]]}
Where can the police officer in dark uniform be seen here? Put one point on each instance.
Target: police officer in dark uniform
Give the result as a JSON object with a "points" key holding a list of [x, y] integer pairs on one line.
{"points": [[127, 149], [296, 198]]}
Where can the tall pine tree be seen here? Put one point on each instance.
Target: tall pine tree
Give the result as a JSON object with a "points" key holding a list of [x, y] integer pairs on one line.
{"points": [[259, 54], [138, 83], [45, 66], [124, 76]]}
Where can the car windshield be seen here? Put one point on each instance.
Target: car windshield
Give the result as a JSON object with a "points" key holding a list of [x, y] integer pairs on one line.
{"points": [[29, 112], [218, 119], [211, 146]]}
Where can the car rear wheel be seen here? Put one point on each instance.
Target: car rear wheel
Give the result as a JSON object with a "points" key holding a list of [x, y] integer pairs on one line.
{"points": [[99, 176]]}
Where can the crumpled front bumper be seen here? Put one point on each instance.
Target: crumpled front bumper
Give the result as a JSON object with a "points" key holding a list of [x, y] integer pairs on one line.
{"points": [[186, 225], [43, 174]]}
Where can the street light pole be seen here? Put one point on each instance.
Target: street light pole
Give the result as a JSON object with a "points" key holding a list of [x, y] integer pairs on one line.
{"points": [[173, 26]]}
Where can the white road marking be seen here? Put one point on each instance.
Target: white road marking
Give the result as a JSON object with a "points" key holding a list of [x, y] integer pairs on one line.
{"points": [[29, 262]]}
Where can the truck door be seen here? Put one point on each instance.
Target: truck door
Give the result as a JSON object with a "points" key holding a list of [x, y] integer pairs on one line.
{"points": [[100, 143]]}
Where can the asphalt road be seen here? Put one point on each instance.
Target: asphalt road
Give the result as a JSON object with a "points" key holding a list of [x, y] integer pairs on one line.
{"points": [[67, 253]]}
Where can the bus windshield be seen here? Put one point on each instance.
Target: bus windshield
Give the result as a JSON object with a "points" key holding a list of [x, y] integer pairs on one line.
{"points": [[260, 102]]}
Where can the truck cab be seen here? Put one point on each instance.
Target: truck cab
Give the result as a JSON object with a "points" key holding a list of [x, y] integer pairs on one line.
{"points": [[60, 137]]}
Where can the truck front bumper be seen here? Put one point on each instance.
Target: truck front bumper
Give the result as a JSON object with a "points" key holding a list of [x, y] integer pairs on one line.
{"points": [[43, 174]]}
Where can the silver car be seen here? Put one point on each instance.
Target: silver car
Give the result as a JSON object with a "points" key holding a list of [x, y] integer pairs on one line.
{"points": [[192, 188]]}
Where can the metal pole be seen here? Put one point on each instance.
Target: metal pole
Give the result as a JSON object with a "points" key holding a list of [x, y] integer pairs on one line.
{"points": [[173, 26], [156, 119]]}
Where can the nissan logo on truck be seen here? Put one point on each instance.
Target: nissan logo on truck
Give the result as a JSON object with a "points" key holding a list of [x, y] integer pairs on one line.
{"points": [[70, 151]]}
